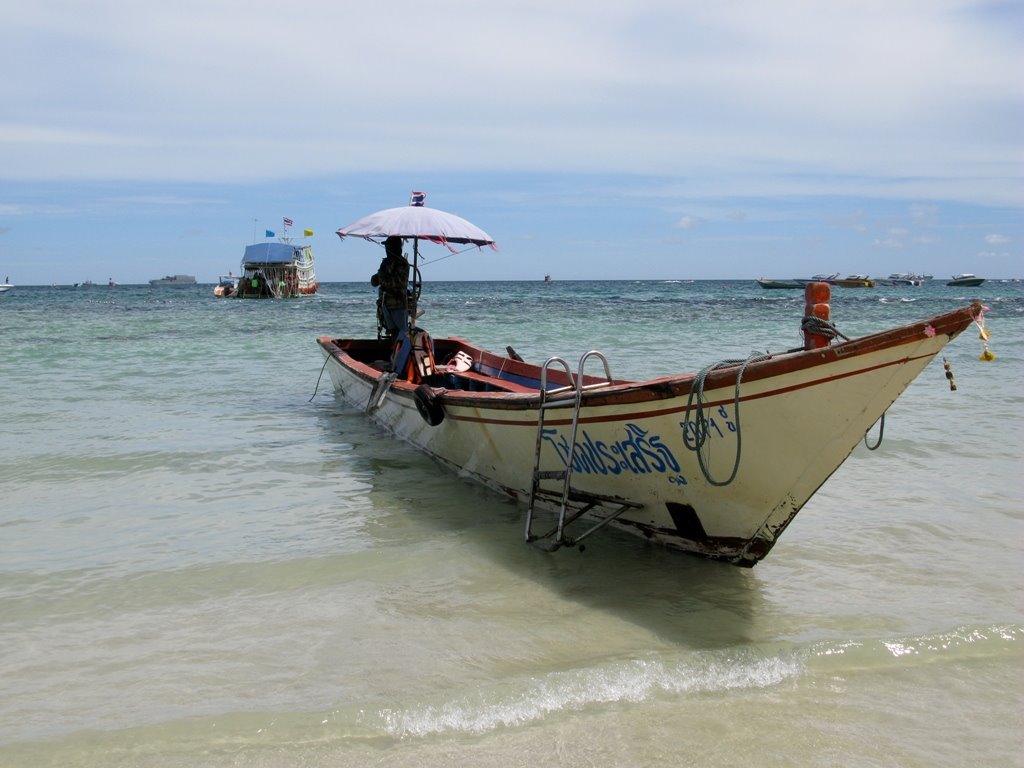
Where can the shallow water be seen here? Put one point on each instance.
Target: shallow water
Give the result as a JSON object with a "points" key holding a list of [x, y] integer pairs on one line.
{"points": [[207, 560]]}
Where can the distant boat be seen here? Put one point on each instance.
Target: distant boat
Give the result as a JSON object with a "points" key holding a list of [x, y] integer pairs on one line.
{"points": [[547, 278], [780, 284], [111, 283], [174, 280], [854, 281], [5, 287], [904, 278], [277, 270], [226, 287], [908, 278], [966, 279]]}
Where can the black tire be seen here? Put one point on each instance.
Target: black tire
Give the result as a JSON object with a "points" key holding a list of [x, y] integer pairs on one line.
{"points": [[426, 403]]}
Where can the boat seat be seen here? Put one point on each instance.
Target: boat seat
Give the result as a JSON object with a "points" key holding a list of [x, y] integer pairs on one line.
{"points": [[471, 381]]}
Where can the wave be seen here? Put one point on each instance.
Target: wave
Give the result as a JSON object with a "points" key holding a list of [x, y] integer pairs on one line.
{"points": [[319, 736], [955, 645], [632, 681], [639, 680]]}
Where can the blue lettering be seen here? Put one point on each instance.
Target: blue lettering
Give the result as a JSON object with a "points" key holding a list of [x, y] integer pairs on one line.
{"points": [[638, 452]]}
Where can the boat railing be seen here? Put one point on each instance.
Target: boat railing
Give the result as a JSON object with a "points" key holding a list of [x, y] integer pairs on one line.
{"points": [[545, 392], [572, 503]]}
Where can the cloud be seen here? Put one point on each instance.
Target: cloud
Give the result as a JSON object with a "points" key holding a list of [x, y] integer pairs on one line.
{"points": [[207, 92], [924, 215], [889, 242], [996, 239], [688, 222], [855, 221]]}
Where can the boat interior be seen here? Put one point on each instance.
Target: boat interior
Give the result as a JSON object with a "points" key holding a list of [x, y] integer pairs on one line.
{"points": [[455, 364]]}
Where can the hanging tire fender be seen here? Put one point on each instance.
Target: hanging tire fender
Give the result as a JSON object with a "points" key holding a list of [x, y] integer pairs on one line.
{"points": [[426, 403]]}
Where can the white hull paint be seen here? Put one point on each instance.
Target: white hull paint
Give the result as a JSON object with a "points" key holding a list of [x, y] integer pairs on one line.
{"points": [[800, 415]]}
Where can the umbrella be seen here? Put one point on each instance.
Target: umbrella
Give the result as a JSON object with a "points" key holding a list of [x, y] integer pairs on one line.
{"points": [[418, 222]]}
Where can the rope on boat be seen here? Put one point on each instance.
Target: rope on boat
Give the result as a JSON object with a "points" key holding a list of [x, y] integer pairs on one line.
{"points": [[701, 428], [326, 361], [826, 328], [881, 431]]}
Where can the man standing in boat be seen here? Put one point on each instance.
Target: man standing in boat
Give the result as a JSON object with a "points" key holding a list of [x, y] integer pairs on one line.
{"points": [[392, 280]]}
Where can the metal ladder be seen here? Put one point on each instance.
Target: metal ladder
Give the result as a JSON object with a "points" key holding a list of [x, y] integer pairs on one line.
{"points": [[572, 503]]}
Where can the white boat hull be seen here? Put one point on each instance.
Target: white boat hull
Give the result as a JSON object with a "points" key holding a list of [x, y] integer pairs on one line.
{"points": [[800, 416]]}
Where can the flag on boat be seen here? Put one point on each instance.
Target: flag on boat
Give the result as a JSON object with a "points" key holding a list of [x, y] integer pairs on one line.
{"points": [[288, 222], [307, 233], [417, 198], [269, 234]]}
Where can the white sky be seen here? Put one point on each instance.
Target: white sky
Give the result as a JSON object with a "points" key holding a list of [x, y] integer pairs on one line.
{"points": [[717, 116]]}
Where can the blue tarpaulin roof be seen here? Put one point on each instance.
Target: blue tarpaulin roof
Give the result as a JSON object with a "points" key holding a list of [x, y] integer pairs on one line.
{"points": [[269, 253]]}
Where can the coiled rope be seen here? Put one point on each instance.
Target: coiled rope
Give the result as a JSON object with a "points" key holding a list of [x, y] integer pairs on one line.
{"points": [[826, 328], [701, 422]]}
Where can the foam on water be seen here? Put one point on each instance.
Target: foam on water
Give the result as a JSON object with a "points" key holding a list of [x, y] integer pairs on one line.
{"points": [[633, 681]]}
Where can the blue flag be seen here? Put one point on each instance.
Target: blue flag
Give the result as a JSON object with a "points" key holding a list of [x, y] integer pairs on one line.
{"points": [[269, 233]]}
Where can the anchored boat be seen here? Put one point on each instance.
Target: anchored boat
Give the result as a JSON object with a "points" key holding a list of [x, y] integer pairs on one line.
{"points": [[277, 269], [167, 280], [583, 449], [966, 279], [769, 284], [227, 286], [854, 281]]}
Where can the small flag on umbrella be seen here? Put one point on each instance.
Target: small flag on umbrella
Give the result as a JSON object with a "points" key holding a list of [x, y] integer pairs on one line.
{"points": [[418, 198], [288, 222]]}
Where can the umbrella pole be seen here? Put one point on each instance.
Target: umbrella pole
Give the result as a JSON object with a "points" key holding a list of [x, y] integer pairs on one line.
{"points": [[415, 271]]}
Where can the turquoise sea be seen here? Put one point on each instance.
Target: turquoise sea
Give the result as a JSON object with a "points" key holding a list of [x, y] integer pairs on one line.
{"points": [[208, 560]]}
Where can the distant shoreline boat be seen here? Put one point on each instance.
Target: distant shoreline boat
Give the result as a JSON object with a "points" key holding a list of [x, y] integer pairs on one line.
{"points": [[779, 284], [907, 278], [175, 280], [966, 279], [854, 281]]}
